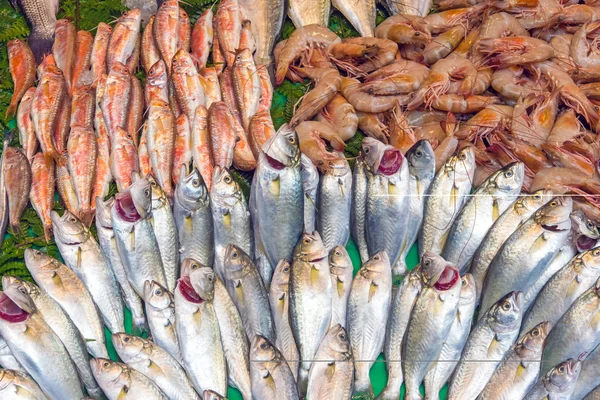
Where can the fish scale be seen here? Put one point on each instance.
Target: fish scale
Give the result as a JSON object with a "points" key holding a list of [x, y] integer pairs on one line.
{"points": [[334, 204]]}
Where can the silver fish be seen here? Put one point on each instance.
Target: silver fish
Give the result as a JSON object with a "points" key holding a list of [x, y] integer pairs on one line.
{"points": [[4, 216], [7, 360], [360, 13], [442, 369], [447, 194], [265, 34], [198, 331], [310, 184], [303, 13], [576, 332], [39, 350], [522, 258], [108, 245], [67, 289], [505, 225], [588, 377], [25, 294], [400, 312], [16, 385], [421, 169], [193, 218], [118, 381], [41, 19], [160, 310], [155, 363], [331, 376], [387, 199], [482, 209], [342, 270], [165, 231], [271, 376], [136, 241], [334, 200], [430, 322], [594, 394], [558, 383], [359, 208], [82, 254], [487, 344], [368, 309], [413, 7], [231, 217], [279, 299], [310, 300], [520, 368]]}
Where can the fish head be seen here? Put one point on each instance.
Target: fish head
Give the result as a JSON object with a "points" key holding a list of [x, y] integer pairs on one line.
{"points": [[590, 260], [338, 339], [157, 75], [554, 216], [40, 264], [282, 149], [51, 73], [183, 63], [261, 349], [510, 178], [336, 168], [224, 186], [464, 162], [381, 158], [191, 190], [236, 262], [310, 247], [468, 289], [432, 266], [339, 261], [159, 197], [508, 310], [132, 19], [103, 217], [203, 282], [189, 265], [157, 295], [10, 312], [14, 47], [281, 276], [118, 71], [534, 339], [536, 199], [20, 291], [421, 159], [564, 375], [105, 370], [310, 174], [379, 262], [68, 229], [128, 346], [140, 193], [243, 57], [584, 231]]}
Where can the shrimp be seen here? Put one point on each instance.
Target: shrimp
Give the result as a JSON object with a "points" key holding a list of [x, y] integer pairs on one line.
{"points": [[561, 180], [450, 4], [443, 44], [485, 122], [404, 29], [372, 125], [401, 77], [432, 132], [402, 136], [457, 103], [591, 90], [362, 101], [312, 136], [308, 38], [516, 50], [562, 52], [364, 54], [566, 127], [341, 115], [536, 126], [482, 82], [442, 21], [534, 158], [563, 157], [501, 25], [444, 151], [418, 118], [465, 45], [586, 52], [547, 34], [328, 83], [575, 15], [514, 82], [535, 14]]}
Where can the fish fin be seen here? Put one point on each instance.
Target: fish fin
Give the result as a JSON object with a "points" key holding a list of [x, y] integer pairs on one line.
{"points": [[123, 393], [372, 290], [132, 240], [79, 257]]}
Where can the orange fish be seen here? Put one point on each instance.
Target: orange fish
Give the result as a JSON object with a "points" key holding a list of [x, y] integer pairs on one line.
{"points": [[64, 185], [186, 81], [42, 190], [166, 29], [82, 73], [133, 62], [27, 136], [229, 27], [161, 143], [45, 107], [183, 146], [82, 149], [184, 31], [202, 39], [223, 135], [150, 54], [247, 86], [103, 172], [123, 158], [210, 83], [63, 126], [65, 38], [143, 156], [122, 42], [261, 130], [115, 98], [157, 86], [217, 53], [21, 63], [201, 146], [136, 109], [99, 50], [48, 60], [246, 38], [228, 93], [17, 181], [266, 89], [83, 106]]}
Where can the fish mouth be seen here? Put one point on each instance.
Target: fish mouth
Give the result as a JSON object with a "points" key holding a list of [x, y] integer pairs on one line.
{"points": [[585, 243], [447, 278], [276, 164], [126, 208], [10, 311], [188, 292], [553, 228], [318, 259], [390, 162]]}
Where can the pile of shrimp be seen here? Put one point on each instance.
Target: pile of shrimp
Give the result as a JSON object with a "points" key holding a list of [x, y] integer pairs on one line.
{"points": [[515, 79]]}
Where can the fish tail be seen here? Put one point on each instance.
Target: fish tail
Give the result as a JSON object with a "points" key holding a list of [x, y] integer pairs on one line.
{"points": [[11, 110], [362, 385], [15, 227], [389, 393], [40, 45], [48, 232]]}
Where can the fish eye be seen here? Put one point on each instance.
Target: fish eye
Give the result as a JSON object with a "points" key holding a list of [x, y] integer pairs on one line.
{"points": [[536, 332], [234, 255], [37, 253], [72, 219], [152, 182], [561, 369], [158, 292], [227, 179], [263, 345], [537, 197], [306, 241], [127, 339], [506, 306], [105, 364], [590, 224], [286, 269], [210, 278], [342, 336], [463, 156], [196, 182], [147, 192], [366, 150], [553, 204], [195, 266], [22, 290], [338, 253], [292, 139], [418, 153], [426, 263], [377, 257], [509, 174], [463, 281], [596, 252]]}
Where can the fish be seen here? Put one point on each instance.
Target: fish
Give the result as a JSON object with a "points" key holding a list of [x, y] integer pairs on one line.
{"points": [[82, 74], [154, 362], [35, 345], [160, 311], [143, 156], [229, 27], [183, 146], [60, 133], [210, 83], [135, 114], [161, 143], [588, 377], [447, 194], [360, 13], [184, 31], [332, 378], [64, 185], [399, 318], [188, 89], [335, 203], [82, 107], [45, 107], [489, 341], [115, 98], [68, 290], [418, 8], [246, 83], [202, 38], [123, 39], [523, 256], [211, 395], [441, 369], [260, 131], [247, 40], [367, 315], [505, 225], [157, 83], [201, 146], [576, 332], [231, 218], [82, 150], [264, 34], [310, 300], [149, 51], [431, 319], [304, 13], [108, 245], [165, 231], [103, 176], [99, 52], [41, 20], [27, 136], [310, 186], [558, 383], [193, 218], [359, 207], [271, 376], [124, 160], [17, 385], [421, 170], [519, 369], [479, 213], [42, 191], [222, 134], [21, 64], [117, 380], [387, 201], [25, 294], [7, 360], [279, 299], [198, 332], [82, 254], [136, 242], [340, 266], [247, 291], [63, 50], [4, 212], [165, 29], [16, 173], [278, 196]]}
